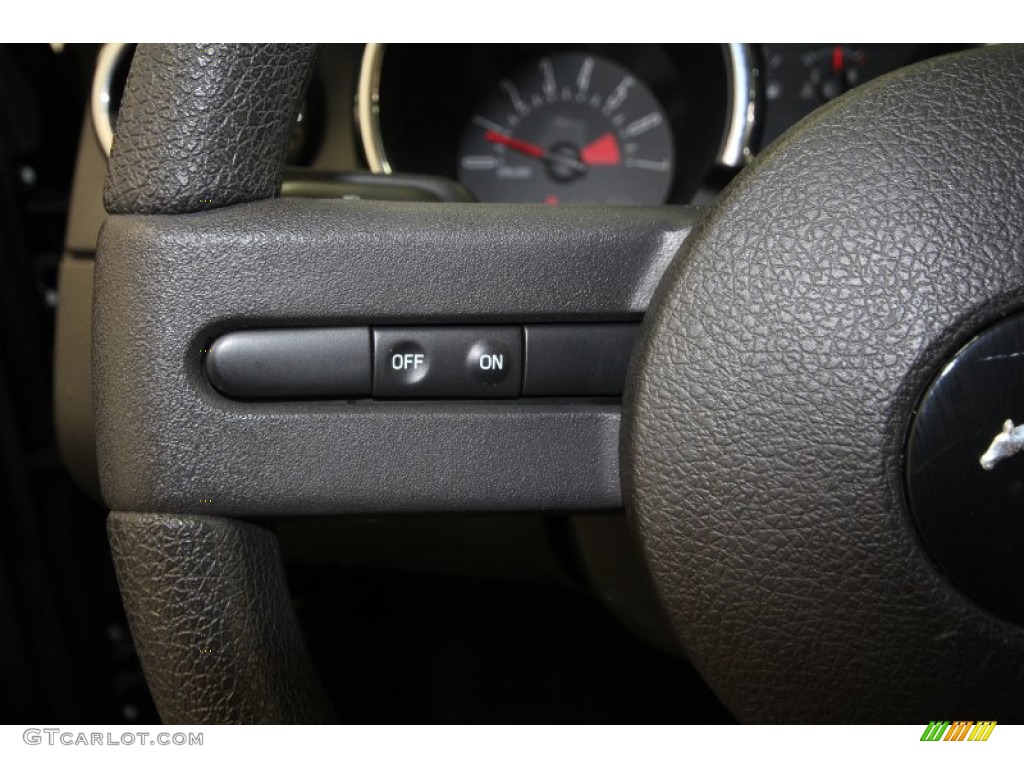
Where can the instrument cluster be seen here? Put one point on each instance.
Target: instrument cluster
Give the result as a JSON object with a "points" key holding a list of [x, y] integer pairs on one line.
{"points": [[610, 124]]}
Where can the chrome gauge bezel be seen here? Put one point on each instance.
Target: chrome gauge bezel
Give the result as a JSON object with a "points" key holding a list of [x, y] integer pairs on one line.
{"points": [[735, 150], [742, 75], [101, 111]]}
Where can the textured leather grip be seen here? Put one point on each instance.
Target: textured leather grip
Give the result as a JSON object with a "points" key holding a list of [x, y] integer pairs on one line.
{"points": [[212, 620], [780, 364], [205, 125]]}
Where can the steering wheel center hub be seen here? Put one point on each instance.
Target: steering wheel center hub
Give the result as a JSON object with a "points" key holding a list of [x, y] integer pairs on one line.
{"points": [[965, 479]]}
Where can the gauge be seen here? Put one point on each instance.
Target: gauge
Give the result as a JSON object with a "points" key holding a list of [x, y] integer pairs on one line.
{"points": [[800, 77], [570, 128], [831, 71]]}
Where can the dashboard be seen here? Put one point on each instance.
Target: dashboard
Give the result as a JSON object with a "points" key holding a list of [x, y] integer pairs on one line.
{"points": [[632, 124]]}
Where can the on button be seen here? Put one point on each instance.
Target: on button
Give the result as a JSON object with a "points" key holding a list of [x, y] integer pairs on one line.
{"points": [[489, 362]]}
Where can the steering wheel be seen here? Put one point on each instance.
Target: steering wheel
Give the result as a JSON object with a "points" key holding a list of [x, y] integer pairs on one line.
{"points": [[804, 365]]}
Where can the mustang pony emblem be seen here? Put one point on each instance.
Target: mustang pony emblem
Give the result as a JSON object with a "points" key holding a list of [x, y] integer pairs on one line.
{"points": [[1004, 445]]}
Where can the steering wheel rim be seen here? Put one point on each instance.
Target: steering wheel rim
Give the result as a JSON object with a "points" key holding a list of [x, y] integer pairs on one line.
{"points": [[198, 99], [206, 597]]}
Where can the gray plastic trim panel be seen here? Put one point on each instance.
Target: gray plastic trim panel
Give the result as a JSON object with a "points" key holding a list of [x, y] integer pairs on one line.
{"points": [[168, 285]]}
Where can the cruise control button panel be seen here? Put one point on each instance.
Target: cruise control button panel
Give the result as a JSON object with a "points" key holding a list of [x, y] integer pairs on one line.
{"points": [[441, 362], [447, 362]]}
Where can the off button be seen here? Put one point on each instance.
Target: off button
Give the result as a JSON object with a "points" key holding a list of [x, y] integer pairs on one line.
{"points": [[451, 362], [408, 362]]}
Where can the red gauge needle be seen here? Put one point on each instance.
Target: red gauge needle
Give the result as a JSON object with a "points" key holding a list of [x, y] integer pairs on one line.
{"points": [[519, 146], [837, 59], [604, 150], [532, 150]]}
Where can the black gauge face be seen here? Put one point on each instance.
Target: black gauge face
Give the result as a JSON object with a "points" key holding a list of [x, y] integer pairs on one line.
{"points": [[800, 77], [831, 71], [572, 128]]}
